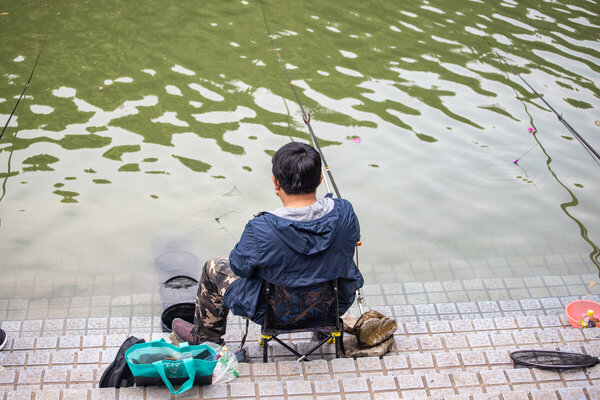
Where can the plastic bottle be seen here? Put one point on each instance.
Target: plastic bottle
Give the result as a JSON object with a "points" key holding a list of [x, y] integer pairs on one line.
{"points": [[226, 369], [589, 321]]}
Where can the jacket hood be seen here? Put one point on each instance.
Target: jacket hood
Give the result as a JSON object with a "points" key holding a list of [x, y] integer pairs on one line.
{"points": [[307, 237]]}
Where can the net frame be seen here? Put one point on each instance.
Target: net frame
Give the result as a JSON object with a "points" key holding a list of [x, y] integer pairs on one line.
{"points": [[552, 360]]}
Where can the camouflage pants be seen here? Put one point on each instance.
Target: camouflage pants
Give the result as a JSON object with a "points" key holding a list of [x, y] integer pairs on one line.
{"points": [[210, 319]]}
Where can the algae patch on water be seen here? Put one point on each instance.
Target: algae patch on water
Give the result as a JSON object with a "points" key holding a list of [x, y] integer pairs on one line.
{"points": [[129, 168], [116, 153], [194, 165], [40, 162], [68, 197]]}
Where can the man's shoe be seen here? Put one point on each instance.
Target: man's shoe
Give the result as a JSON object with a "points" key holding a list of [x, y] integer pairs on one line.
{"points": [[3, 339], [182, 332]]}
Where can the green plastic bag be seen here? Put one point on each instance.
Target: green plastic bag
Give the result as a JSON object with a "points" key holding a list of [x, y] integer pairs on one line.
{"points": [[162, 360]]}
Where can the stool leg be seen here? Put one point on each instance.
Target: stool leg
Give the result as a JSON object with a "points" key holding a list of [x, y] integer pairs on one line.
{"points": [[265, 349]]}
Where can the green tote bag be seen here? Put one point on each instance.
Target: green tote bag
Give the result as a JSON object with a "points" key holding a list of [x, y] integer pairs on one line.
{"points": [[159, 362]]}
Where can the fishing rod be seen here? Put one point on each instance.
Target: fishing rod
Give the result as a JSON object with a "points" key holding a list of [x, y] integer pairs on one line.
{"points": [[305, 117], [22, 93], [591, 151], [315, 141]]}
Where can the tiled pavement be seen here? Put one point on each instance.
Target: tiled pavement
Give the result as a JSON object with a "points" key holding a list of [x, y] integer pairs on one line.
{"points": [[437, 359], [453, 342]]}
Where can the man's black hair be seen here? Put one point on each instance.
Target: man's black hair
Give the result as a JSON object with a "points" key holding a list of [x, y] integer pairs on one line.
{"points": [[297, 167]]}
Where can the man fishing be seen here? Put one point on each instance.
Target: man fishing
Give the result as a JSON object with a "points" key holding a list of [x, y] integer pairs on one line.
{"points": [[305, 242]]}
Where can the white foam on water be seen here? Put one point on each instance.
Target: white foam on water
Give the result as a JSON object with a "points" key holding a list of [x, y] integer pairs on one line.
{"points": [[259, 63], [108, 82], [174, 90], [149, 71], [124, 79], [234, 44], [41, 109], [2, 100], [182, 70], [196, 104], [395, 28], [333, 29], [290, 66], [19, 59], [324, 73]]}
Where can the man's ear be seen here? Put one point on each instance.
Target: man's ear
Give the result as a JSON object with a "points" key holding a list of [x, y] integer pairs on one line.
{"points": [[321, 179], [276, 183]]}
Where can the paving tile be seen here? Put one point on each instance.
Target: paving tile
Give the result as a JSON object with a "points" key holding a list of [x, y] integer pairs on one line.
{"points": [[455, 342], [215, 391], [327, 386], [395, 362], [421, 361], [342, 365], [505, 323], [48, 394], [546, 394], [75, 394], [63, 357], [437, 380], [78, 375], [502, 339], [294, 367], [520, 375], [431, 343], [355, 385], [571, 393], [410, 382], [465, 379], [241, 389], [369, 364], [316, 366], [488, 306], [56, 375], [446, 360], [260, 369], [270, 388], [439, 327], [386, 396], [493, 377], [19, 394], [14, 359], [404, 343], [298, 387], [383, 383]]}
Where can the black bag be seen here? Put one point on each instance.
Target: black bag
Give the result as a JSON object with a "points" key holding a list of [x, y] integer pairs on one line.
{"points": [[118, 373]]}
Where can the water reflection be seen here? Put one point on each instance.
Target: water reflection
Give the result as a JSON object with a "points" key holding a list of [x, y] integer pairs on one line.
{"points": [[154, 126]]}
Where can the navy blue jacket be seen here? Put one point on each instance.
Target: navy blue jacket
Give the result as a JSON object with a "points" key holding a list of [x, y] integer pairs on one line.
{"points": [[294, 253]]}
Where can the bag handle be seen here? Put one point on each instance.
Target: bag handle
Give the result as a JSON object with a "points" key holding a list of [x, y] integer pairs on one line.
{"points": [[187, 385]]}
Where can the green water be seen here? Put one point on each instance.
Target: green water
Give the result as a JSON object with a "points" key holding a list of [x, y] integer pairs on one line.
{"points": [[146, 119]]}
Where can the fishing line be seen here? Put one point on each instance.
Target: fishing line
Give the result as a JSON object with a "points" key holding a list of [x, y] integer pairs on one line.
{"points": [[591, 151], [313, 138], [305, 117], [22, 94], [564, 206]]}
